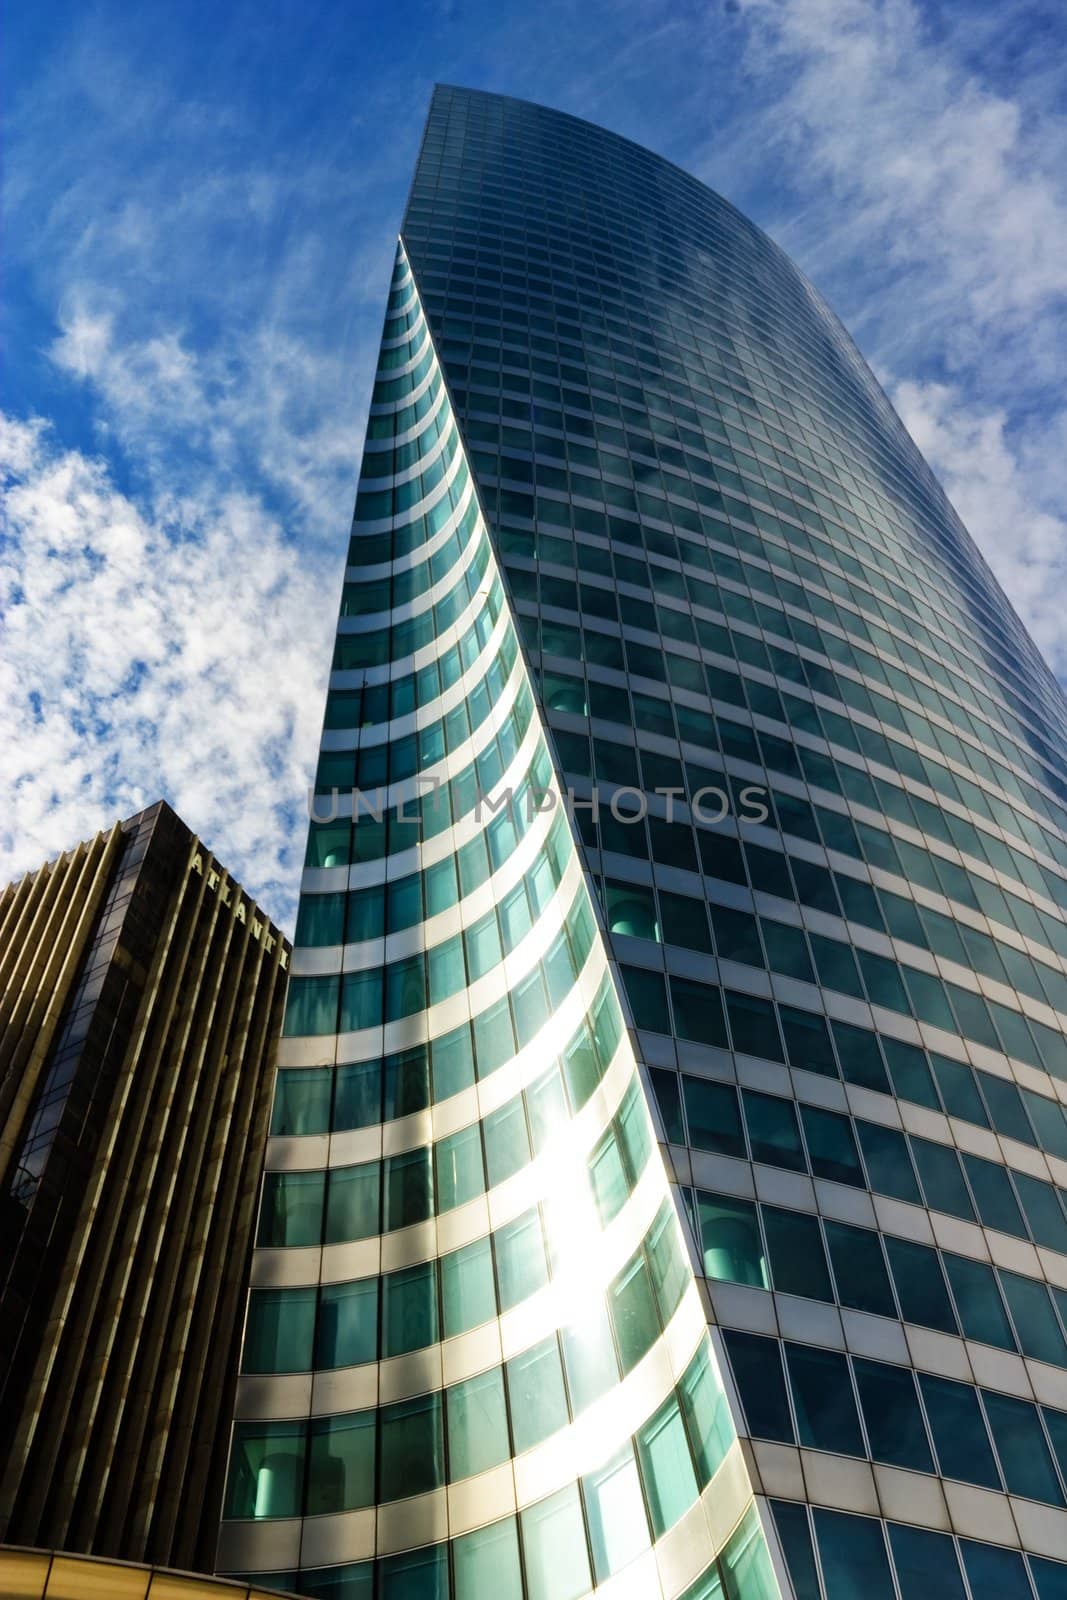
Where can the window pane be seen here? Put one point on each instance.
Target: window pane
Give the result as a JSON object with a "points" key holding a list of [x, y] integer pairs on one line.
{"points": [[477, 1424], [960, 1438], [993, 1573], [415, 1575], [773, 1131], [412, 1447], [589, 1357], [941, 1178], [994, 1196], [730, 1240], [266, 1470], [1034, 1318], [798, 1261], [409, 1309], [535, 1390], [520, 1259], [794, 1532], [859, 1269], [301, 1101], [920, 1285], [926, 1563], [341, 1463], [1022, 1448], [893, 1416], [487, 1563], [460, 1176], [854, 1561], [553, 1542], [707, 1415], [745, 1564], [822, 1396], [757, 1367], [633, 1312], [618, 1528], [468, 1297], [831, 1147], [714, 1117], [291, 1212], [352, 1203], [358, 1095], [408, 1189], [347, 1333], [281, 1325], [666, 1466], [981, 1310], [885, 1152]]}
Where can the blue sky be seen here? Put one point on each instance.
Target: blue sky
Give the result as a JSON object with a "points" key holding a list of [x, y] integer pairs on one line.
{"points": [[200, 208]]}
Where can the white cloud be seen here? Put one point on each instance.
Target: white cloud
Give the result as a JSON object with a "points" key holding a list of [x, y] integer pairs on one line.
{"points": [[184, 658]]}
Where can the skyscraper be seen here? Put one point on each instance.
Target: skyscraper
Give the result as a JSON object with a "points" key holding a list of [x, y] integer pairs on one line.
{"points": [[142, 994], [635, 521]]}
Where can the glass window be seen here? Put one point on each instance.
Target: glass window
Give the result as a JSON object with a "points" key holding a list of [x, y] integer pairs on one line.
{"points": [[908, 1068], [633, 1312], [1035, 1320], [352, 1203], [773, 1130], [807, 1041], [520, 1259], [460, 1176], [618, 1527], [291, 1211], [341, 1463], [610, 1185], [1050, 1577], [859, 1269], [647, 994], [798, 1260], [698, 1013], [745, 1564], [920, 1285], [858, 1051], [537, 1395], [995, 1574], [707, 1414], [477, 1424], [347, 1333], [1022, 1448], [823, 1399], [794, 1531], [452, 1058], [409, 1309], [885, 1152], [753, 1026], [311, 1007], [266, 1470], [854, 1561], [977, 1297], [412, 1447], [831, 1147], [301, 1101], [730, 1240], [714, 1117], [926, 1563], [941, 1178], [507, 1144], [960, 1437], [415, 1575], [486, 1562], [361, 1001], [1043, 1211], [994, 1196], [546, 1106], [358, 1095], [408, 1189], [757, 1367], [589, 1356], [891, 1411], [280, 1330], [468, 1297], [554, 1546], [666, 1467]]}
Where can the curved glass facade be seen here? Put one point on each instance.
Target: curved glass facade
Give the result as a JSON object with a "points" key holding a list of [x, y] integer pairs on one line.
{"points": [[681, 757]]}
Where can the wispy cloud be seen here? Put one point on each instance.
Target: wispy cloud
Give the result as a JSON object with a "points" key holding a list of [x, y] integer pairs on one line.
{"points": [[146, 656]]}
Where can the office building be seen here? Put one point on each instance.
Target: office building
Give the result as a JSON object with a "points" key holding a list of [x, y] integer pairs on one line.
{"points": [[142, 1001], [671, 1203]]}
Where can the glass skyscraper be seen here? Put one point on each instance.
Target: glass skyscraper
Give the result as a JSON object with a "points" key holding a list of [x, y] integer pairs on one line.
{"points": [[667, 1187]]}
